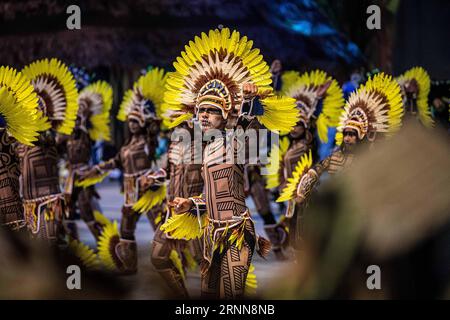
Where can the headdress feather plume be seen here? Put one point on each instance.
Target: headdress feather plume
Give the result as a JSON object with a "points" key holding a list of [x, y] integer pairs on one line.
{"points": [[375, 108], [19, 107], [304, 89], [423, 81], [303, 165], [224, 60], [56, 86], [150, 87], [99, 98]]}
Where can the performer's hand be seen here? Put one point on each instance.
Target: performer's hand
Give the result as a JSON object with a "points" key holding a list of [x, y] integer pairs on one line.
{"points": [[249, 90], [181, 204]]}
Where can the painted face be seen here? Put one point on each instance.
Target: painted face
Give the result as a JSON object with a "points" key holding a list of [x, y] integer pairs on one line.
{"points": [[298, 131], [210, 117], [133, 126], [350, 138]]}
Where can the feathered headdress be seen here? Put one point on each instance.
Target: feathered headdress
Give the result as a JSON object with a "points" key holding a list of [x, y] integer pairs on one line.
{"points": [[55, 85], [375, 108], [95, 103], [288, 79], [290, 190], [274, 167], [212, 69], [145, 99], [305, 90], [19, 108], [422, 79]]}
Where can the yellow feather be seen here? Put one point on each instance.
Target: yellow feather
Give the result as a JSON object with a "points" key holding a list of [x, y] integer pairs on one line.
{"points": [[86, 255], [100, 218], [424, 83], [100, 121], [177, 121], [276, 158], [176, 260], [152, 86], [107, 239], [280, 114], [57, 71], [125, 105], [150, 199], [184, 226], [288, 79], [333, 101], [19, 107], [303, 165], [91, 181], [247, 65], [251, 283], [380, 92]]}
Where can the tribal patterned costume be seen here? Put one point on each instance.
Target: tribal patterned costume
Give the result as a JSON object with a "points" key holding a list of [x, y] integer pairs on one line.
{"points": [[211, 72], [92, 124], [141, 107], [185, 180], [21, 121], [372, 112], [43, 199], [415, 87], [320, 101]]}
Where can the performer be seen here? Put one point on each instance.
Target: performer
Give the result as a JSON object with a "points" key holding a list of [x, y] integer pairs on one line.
{"points": [[415, 85], [320, 102], [140, 109], [170, 255], [219, 79], [92, 124], [20, 121], [43, 200], [372, 112]]}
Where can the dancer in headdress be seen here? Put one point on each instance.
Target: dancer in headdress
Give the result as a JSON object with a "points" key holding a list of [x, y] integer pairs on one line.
{"points": [[225, 83], [320, 102], [415, 85], [20, 122], [373, 112], [92, 124], [44, 203], [136, 158]]}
